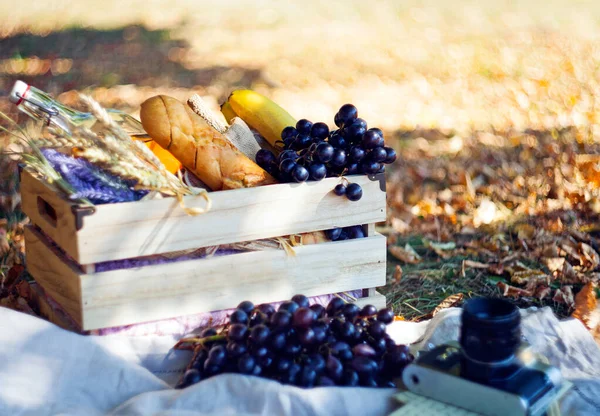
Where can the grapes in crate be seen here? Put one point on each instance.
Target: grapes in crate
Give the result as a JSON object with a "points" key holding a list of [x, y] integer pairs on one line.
{"points": [[312, 152], [301, 344]]}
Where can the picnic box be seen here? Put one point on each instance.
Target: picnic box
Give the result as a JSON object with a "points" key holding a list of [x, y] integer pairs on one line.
{"points": [[65, 240]]}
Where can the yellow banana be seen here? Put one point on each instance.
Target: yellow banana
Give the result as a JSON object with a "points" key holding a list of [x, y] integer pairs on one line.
{"points": [[228, 112], [260, 113]]}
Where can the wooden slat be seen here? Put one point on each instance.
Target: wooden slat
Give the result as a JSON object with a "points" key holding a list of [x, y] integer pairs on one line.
{"points": [[59, 280], [63, 230], [374, 298], [128, 230], [122, 297]]}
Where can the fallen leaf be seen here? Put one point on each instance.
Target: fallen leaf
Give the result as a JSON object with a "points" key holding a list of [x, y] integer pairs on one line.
{"points": [[524, 276], [511, 291], [399, 226], [449, 302], [542, 292], [398, 273], [406, 254], [439, 248], [485, 213], [525, 231], [475, 264], [497, 269], [554, 264], [399, 318], [564, 295], [585, 305]]}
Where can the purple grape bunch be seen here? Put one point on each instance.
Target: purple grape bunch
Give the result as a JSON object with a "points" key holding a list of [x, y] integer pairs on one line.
{"points": [[303, 345], [314, 152]]}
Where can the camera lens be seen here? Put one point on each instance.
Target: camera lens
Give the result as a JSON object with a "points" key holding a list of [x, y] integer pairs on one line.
{"points": [[491, 330]]}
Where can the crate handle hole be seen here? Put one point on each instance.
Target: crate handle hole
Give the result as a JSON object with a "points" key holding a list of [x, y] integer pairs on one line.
{"points": [[46, 211]]}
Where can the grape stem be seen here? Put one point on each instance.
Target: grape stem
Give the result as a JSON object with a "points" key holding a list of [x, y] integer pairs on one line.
{"points": [[194, 342]]}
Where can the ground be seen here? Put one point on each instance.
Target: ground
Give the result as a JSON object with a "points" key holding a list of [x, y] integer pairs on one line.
{"points": [[491, 106]]}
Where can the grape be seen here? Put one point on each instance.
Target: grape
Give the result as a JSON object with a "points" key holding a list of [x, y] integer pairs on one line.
{"points": [[376, 329], [246, 364], [378, 154], [302, 142], [277, 340], [287, 132], [354, 132], [360, 122], [324, 152], [281, 364], [300, 173], [199, 359], [368, 310], [304, 317], [289, 306], [339, 190], [363, 365], [266, 308], [216, 356], [301, 300], [299, 345], [354, 192], [238, 316], [287, 154], [334, 306], [319, 310], [347, 114], [208, 332], [292, 348], [306, 336], [349, 378], [338, 121], [337, 140], [334, 367], [355, 231], [304, 126], [350, 311], [343, 236], [191, 376], [317, 171], [363, 350], [381, 169], [377, 130], [259, 334], [324, 381], [370, 139], [352, 168], [287, 166], [347, 331], [368, 166], [391, 155], [339, 158], [320, 334], [237, 332], [385, 315], [257, 318], [317, 362], [281, 319], [319, 131], [265, 158], [333, 234], [235, 349], [357, 154]]}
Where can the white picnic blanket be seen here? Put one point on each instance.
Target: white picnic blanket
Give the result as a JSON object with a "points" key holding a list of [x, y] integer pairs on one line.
{"points": [[47, 371]]}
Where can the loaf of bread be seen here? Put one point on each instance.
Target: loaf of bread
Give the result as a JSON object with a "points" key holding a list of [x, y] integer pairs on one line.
{"points": [[200, 148]]}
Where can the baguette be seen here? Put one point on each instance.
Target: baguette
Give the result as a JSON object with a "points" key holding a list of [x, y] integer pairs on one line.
{"points": [[200, 148]]}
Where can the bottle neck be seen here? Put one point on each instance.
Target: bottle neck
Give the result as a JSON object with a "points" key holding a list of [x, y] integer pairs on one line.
{"points": [[39, 105]]}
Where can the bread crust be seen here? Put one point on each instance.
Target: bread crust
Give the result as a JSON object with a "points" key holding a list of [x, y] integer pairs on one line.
{"points": [[200, 148]]}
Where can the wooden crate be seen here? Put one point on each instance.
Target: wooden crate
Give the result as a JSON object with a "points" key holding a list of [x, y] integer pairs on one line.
{"points": [[89, 235]]}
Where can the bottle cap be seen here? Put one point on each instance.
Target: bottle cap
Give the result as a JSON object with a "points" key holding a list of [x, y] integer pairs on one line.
{"points": [[18, 92]]}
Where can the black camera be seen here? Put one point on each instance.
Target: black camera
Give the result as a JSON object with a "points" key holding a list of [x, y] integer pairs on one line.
{"points": [[490, 371]]}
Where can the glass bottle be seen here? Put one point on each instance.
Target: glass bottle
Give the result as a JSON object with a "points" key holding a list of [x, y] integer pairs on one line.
{"points": [[40, 106]]}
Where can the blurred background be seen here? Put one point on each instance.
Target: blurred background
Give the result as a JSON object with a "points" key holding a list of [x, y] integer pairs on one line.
{"points": [[492, 106]]}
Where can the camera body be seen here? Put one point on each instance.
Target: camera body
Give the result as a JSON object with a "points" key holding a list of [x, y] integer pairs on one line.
{"points": [[529, 389], [490, 370]]}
